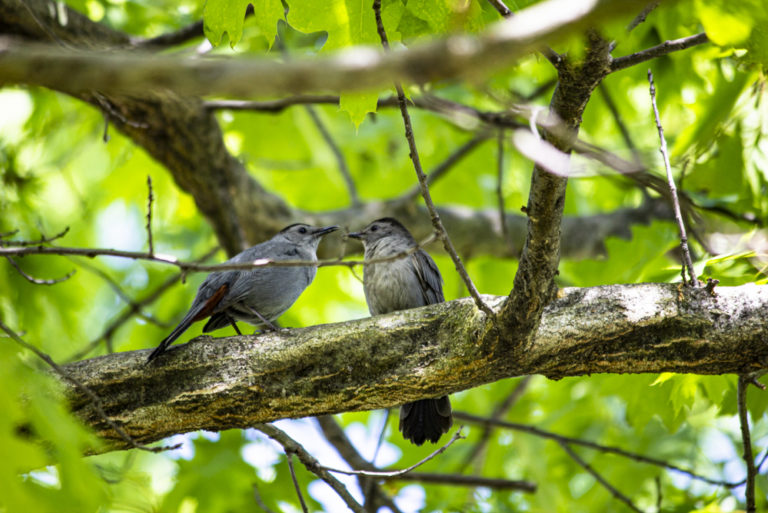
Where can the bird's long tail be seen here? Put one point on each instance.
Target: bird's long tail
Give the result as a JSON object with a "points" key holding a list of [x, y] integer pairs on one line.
{"points": [[426, 419], [196, 313]]}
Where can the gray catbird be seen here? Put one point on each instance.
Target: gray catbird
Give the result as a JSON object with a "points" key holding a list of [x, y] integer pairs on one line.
{"points": [[403, 283], [256, 296]]}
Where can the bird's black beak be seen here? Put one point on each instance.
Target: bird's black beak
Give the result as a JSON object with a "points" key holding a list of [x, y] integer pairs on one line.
{"points": [[355, 235], [319, 232]]}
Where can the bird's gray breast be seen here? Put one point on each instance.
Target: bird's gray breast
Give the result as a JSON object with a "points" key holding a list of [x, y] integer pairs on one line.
{"points": [[391, 286]]}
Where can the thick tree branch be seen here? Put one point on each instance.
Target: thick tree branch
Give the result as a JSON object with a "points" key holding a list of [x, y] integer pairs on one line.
{"points": [[534, 284], [457, 56], [388, 360]]}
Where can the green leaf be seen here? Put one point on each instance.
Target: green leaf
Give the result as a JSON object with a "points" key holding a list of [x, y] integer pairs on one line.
{"points": [[225, 16], [726, 23], [348, 23], [358, 105]]}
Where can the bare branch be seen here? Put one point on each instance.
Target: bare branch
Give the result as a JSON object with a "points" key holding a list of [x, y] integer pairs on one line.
{"points": [[600, 479], [640, 18], [473, 481], [38, 281], [498, 413], [290, 446], [444, 166], [374, 495], [664, 48], [42, 240], [592, 445], [95, 401], [260, 501], [391, 474], [150, 199], [414, 154], [197, 267], [500, 183], [289, 457], [749, 459], [340, 160], [192, 31], [687, 263]]}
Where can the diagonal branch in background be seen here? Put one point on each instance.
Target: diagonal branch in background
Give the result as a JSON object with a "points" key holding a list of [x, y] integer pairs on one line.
{"points": [[749, 459], [498, 412], [291, 447], [608, 449], [414, 154], [430, 351], [599, 478], [687, 263], [337, 154], [375, 497]]}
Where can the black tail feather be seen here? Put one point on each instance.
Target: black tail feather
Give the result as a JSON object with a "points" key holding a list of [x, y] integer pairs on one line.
{"points": [[426, 419], [185, 323]]}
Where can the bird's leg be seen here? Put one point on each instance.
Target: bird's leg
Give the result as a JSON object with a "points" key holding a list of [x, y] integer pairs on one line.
{"points": [[268, 324], [234, 324]]}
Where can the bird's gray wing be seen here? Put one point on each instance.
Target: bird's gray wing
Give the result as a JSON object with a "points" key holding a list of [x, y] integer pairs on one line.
{"points": [[429, 277]]}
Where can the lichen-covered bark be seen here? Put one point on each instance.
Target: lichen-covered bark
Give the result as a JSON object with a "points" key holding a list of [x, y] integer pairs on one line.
{"points": [[388, 360]]}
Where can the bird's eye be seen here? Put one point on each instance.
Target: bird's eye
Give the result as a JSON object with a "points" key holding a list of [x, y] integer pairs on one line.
{"points": [[302, 230], [374, 228]]}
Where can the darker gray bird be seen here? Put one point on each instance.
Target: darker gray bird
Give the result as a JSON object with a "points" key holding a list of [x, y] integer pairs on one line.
{"points": [[256, 296], [400, 284]]}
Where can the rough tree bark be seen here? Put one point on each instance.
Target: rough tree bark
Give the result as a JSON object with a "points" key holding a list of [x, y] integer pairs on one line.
{"points": [[380, 362]]}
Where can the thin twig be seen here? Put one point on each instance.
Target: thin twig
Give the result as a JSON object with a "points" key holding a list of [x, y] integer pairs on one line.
{"points": [[150, 199], [95, 400], [474, 481], [657, 480], [38, 281], [444, 166], [389, 474], [497, 414], [664, 48], [23, 243], [608, 486], [8, 234], [272, 106], [500, 184], [749, 459], [436, 222], [640, 18], [374, 495], [592, 445], [310, 462], [289, 456], [687, 263], [260, 501], [354, 198], [196, 267], [619, 121], [184, 34]]}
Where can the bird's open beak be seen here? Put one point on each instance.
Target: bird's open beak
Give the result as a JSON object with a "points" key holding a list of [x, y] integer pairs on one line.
{"points": [[355, 235], [319, 232]]}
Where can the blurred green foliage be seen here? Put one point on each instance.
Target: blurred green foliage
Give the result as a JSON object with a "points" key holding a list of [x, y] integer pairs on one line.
{"points": [[57, 173]]}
